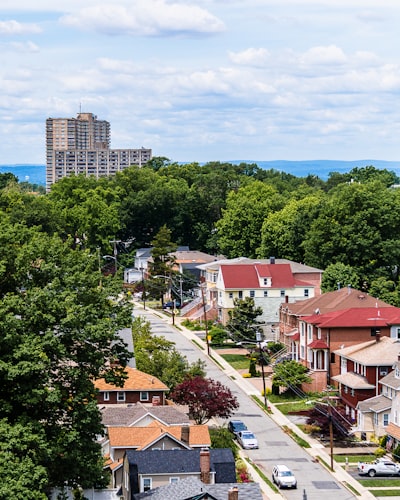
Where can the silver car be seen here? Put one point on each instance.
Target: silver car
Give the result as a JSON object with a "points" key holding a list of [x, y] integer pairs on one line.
{"points": [[247, 440]]}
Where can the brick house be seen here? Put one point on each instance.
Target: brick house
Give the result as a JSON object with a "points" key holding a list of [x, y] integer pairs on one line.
{"points": [[362, 367], [138, 387]]}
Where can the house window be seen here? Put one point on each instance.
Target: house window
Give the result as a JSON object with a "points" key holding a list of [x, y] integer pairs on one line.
{"points": [[352, 392], [376, 420], [266, 283], [398, 333], [144, 396], [282, 293], [121, 396], [252, 294], [383, 370], [386, 419], [305, 292], [319, 334], [106, 396], [302, 352], [240, 294], [173, 480], [146, 481], [333, 357], [346, 389], [309, 327], [265, 293], [231, 295]]}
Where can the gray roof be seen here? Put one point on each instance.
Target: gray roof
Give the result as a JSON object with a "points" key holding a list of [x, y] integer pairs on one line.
{"points": [[376, 404], [391, 380], [353, 380], [129, 415], [222, 462], [186, 489]]}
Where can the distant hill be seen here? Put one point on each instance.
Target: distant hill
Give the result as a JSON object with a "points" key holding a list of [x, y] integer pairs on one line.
{"points": [[36, 174]]}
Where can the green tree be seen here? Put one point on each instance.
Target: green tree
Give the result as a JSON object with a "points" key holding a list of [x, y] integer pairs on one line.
{"points": [[284, 231], [157, 356], [59, 333], [339, 275], [239, 229], [161, 266], [221, 437], [242, 324], [290, 374]]}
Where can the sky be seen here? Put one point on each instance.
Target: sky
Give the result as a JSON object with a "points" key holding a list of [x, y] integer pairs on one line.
{"points": [[205, 80]]}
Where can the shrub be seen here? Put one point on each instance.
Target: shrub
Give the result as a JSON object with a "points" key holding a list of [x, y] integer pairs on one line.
{"points": [[253, 368], [380, 452], [396, 453]]}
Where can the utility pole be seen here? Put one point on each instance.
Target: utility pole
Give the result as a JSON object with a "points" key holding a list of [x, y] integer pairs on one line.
{"points": [[258, 338], [205, 319], [115, 252], [143, 289], [330, 433]]}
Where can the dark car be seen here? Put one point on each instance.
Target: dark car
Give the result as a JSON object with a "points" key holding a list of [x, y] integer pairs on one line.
{"points": [[172, 304], [236, 426]]}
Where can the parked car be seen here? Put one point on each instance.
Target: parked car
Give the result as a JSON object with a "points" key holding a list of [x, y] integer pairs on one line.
{"points": [[236, 426], [247, 440], [379, 467], [283, 477], [172, 304]]}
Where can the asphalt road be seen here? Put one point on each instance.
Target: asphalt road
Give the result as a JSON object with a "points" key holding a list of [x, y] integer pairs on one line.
{"points": [[275, 446]]}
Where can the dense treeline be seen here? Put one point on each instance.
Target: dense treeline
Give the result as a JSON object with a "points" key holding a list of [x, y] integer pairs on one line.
{"points": [[348, 225], [59, 326]]}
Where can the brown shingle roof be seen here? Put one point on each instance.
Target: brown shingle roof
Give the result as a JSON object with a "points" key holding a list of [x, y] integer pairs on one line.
{"points": [[135, 381], [129, 415], [373, 353], [345, 298]]}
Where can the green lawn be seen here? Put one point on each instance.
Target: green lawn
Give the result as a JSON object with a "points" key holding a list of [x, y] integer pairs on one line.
{"points": [[354, 459], [237, 361]]}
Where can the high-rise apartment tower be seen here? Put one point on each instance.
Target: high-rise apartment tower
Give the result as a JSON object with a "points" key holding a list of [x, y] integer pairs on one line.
{"points": [[81, 145]]}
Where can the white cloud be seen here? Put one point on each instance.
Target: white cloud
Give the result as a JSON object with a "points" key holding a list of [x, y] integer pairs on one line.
{"points": [[250, 57], [145, 18], [24, 46], [330, 54], [15, 28]]}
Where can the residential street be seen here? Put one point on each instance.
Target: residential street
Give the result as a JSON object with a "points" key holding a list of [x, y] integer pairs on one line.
{"points": [[314, 481]]}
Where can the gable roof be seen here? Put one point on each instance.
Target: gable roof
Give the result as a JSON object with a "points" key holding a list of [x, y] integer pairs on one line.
{"points": [[241, 276], [345, 298], [377, 404], [391, 380], [353, 380], [182, 461], [367, 317], [192, 488], [142, 437], [135, 381], [373, 353], [132, 414]]}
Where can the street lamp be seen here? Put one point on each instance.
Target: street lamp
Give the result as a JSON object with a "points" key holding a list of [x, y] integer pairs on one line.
{"points": [[259, 339]]}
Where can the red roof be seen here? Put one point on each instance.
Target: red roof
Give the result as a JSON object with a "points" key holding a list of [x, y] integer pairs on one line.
{"points": [[318, 344], [241, 276], [370, 317]]}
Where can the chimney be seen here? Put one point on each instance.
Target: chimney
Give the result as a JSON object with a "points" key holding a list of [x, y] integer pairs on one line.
{"points": [[185, 433], [233, 493], [378, 335], [205, 465]]}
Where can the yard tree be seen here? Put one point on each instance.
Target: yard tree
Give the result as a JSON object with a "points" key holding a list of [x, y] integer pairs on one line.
{"points": [[59, 332], [205, 398], [290, 374], [320, 417], [242, 324]]}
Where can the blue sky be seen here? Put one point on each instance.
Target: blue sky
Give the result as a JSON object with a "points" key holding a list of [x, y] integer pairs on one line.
{"points": [[205, 80]]}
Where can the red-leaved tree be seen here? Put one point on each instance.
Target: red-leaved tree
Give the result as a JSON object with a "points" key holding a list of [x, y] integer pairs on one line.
{"points": [[206, 398]]}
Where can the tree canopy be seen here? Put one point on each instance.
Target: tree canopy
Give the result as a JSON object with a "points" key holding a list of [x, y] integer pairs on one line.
{"points": [[206, 398]]}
